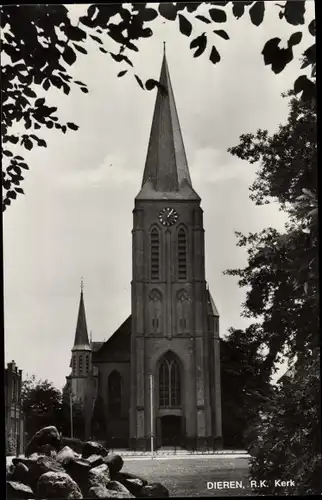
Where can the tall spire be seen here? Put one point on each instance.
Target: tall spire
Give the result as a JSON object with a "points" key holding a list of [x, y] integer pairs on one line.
{"points": [[166, 172], [81, 335]]}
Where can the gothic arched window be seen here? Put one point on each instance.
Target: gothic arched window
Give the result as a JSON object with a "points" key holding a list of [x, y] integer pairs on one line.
{"points": [[183, 310], [155, 254], [74, 364], [182, 254], [87, 363], [169, 382], [114, 394]]}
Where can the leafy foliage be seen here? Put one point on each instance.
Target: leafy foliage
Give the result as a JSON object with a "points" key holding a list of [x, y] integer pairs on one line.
{"points": [[286, 439], [243, 384], [282, 284], [41, 403], [40, 44]]}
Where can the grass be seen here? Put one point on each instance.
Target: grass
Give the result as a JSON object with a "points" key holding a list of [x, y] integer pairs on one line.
{"points": [[189, 477]]}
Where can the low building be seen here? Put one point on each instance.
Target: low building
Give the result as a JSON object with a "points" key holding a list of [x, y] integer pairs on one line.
{"points": [[13, 409]]}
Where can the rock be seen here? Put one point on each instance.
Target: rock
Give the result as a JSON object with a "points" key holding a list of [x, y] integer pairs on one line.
{"points": [[154, 490], [99, 476], [133, 483], [21, 473], [117, 486], [46, 435], [57, 485], [9, 470], [114, 462], [65, 455], [39, 467], [17, 490], [102, 492], [78, 470], [93, 448], [47, 450], [94, 460]]}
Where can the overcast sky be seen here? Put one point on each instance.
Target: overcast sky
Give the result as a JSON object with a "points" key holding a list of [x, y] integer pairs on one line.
{"points": [[76, 217]]}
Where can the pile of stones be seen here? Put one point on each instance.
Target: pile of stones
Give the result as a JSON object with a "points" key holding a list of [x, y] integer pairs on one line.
{"points": [[51, 470]]}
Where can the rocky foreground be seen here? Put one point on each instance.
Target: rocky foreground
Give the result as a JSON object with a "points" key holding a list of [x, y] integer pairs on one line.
{"points": [[51, 470]]}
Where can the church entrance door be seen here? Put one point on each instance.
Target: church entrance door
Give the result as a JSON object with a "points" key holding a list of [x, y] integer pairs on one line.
{"points": [[171, 430]]}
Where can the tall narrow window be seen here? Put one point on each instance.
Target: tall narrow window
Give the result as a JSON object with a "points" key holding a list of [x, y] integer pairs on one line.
{"points": [[74, 364], [87, 363], [80, 364], [155, 254], [169, 382], [115, 394], [182, 254]]}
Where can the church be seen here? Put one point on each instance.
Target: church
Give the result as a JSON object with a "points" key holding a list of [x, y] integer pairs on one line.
{"points": [[159, 372]]}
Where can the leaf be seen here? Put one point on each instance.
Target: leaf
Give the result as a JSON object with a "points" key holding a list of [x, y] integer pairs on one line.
{"points": [[39, 102], [203, 19], [295, 39], [214, 55], [218, 15], [238, 9], [72, 126], [80, 48], [84, 89], [200, 42], [28, 145], [74, 33], [312, 28], [168, 11], [222, 33], [304, 85], [42, 143], [79, 83], [29, 93], [256, 12], [19, 190], [294, 12], [278, 58], [96, 38], [121, 73], [103, 50], [69, 55], [184, 25], [139, 81], [148, 14]]}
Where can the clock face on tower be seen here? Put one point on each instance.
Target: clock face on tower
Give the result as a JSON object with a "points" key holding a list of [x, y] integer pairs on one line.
{"points": [[168, 216]]}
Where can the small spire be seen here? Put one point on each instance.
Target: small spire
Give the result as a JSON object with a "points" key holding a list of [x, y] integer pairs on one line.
{"points": [[164, 48], [82, 285]]}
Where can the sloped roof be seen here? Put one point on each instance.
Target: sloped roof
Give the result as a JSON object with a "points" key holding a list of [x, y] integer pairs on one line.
{"points": [[118, 347], [81, 341], [211, 306], [166, 174]]}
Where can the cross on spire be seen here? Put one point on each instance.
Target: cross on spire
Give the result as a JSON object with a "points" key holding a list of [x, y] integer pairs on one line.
{"points": [[82, 284]]}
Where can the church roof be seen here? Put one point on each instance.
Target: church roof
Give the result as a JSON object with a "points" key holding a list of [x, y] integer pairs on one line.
{"points": [[95, 346], [211, 306], [81, 341], [166, 174], [117, 348]]}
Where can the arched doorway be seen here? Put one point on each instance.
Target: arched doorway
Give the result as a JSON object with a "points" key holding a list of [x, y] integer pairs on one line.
{"points": [[170, 421], [171, 430]]}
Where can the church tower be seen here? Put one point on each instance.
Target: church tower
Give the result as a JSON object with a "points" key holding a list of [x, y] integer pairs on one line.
{"points": [[81, 355], [175, 323]]}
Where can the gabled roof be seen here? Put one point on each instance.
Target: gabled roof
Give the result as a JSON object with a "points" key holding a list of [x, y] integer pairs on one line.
{"points": [[211, 306], [118, 347], [166, 174]]}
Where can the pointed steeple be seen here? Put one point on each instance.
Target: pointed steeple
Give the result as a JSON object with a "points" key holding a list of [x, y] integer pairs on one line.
{"points": [[166, 173], [81, 341]]}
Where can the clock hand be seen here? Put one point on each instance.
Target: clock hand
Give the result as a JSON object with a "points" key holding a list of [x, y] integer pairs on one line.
{"points": [[171, 211]]}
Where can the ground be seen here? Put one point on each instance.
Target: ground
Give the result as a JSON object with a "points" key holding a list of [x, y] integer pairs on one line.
{"points": [[188, 477]]}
